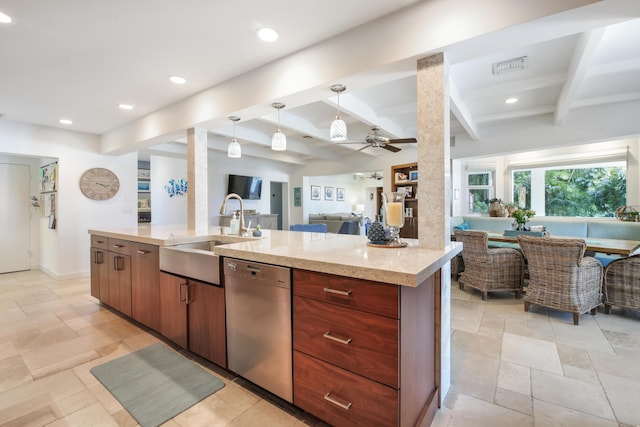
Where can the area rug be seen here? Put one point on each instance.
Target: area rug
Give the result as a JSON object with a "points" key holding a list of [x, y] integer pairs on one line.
{"points": [[156, 383]]}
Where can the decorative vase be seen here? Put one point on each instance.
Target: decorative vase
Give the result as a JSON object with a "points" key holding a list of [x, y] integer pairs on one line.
{"points": [[520, 226], [376, 233], [394, 214]]}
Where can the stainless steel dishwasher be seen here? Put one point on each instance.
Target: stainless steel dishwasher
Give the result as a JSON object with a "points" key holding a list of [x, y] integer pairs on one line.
{"points": [[258, 307]]}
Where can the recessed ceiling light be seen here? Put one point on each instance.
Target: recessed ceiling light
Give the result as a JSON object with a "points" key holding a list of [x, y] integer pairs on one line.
{"points": [[511, 100], [267, 34], [4, 18], [125, 106], [177, 80], [65, 121]]}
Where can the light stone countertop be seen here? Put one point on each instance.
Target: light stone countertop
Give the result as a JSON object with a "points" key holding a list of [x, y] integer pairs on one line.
{"points": [[340, 254]]}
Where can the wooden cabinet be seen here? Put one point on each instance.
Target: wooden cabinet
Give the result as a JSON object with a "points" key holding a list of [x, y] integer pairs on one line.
{"points": [[405, 178], [193, 316], [99, 273], [173, 306], [145, 285], [206, 322], [111, 272], [347, 336]]}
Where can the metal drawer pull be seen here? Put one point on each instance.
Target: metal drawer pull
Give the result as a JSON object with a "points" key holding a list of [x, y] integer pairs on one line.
{"points": [[328, 336], [117, 263], [99, 242], [337, 291], [118, 246], [337, 402], [142, 252], [180, 292], [98, 259]]}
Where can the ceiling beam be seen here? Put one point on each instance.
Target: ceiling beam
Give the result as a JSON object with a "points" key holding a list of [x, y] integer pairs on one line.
{"points": [[461, 111], [585, 50]]}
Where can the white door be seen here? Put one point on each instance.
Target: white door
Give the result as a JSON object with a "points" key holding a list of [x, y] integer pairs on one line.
{"points": [[14, 217]]}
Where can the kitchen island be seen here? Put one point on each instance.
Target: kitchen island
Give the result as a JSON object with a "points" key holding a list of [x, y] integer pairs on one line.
{"points": [[366, 320]]}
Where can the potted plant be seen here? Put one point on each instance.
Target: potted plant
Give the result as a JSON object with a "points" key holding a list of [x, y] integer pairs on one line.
{"points": [[510, 207], [522, 216]]}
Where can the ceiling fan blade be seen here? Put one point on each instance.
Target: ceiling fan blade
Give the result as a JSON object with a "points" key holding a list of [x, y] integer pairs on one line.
{"points": [[390, 148], [366, 146], [357, 142], [402, 141]]}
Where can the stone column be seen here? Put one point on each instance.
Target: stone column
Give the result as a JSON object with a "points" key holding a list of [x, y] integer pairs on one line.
{"points": [[197, 178], [434, 177], [434, 184]]}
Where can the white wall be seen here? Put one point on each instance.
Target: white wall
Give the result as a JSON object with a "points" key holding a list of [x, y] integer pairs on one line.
{"points": [[64, 252], [165, 209]]}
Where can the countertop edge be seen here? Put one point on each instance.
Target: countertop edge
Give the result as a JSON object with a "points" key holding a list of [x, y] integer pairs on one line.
{"points": [[367, 273], [431, 260]]}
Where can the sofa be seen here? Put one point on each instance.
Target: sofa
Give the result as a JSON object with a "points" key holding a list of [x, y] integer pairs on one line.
{"points": [[339, 223], [579, 227]]}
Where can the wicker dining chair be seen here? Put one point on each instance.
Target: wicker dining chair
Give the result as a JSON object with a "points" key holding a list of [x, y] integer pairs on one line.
{"points": [[489, 270], [560, 276], [622, 283]]}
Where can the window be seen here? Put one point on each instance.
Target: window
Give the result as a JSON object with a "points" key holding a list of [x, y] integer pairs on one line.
{"points": [[582, 191], [481, 190], [522, 189], [577, 190]]}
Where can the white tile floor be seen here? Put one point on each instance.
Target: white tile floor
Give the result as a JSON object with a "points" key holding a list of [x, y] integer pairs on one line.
{"points": [[510, 368]]}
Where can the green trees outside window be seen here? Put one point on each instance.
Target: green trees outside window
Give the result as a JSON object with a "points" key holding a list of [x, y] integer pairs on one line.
{"points": [[590, 192], [575, 191]]}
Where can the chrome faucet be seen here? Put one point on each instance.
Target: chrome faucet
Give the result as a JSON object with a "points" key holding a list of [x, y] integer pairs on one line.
{"points": [[223, 211]]}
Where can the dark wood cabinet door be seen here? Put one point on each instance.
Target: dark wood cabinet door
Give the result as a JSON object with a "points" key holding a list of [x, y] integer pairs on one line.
{"points": [[207, 334], [120, 282], [173, 308], [145, 285], [99, 274]]}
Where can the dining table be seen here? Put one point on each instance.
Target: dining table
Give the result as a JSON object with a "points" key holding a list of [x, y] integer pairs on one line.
{"points": [[595, 244]]}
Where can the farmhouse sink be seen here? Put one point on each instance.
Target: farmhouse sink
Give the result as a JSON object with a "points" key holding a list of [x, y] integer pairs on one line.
{"points": [[193, 260]]}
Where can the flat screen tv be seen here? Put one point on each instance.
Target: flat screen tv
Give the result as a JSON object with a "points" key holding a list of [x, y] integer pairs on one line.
{"points": [[247, 187]]}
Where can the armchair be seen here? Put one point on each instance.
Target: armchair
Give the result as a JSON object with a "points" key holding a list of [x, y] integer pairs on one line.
{"points": [[560, 276], [622, 283], [489, 270]]}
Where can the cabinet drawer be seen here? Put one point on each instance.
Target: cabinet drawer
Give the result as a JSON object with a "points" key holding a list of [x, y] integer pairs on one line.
{"points": [[100, 242], [120, 246], [360, 342], [373, 297], [342, 398]]}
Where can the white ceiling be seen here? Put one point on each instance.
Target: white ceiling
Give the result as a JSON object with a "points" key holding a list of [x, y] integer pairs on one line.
{"points": [[79, 59]]}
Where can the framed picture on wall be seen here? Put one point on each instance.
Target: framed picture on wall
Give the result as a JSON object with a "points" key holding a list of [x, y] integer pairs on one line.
{"points": [[328, 193], [315, 192], [340, 194], [408, 191], [48, 178], [413, 175]]}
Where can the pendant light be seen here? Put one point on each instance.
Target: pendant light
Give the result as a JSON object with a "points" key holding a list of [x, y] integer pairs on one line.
{"points": [[279, 139], [234, 151], [338, 131]]}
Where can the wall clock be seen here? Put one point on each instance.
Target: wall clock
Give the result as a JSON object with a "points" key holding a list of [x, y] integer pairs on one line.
{"points": [[99, 184]]}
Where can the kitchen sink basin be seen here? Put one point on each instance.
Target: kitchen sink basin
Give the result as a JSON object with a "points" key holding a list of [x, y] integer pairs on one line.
{"points": [[193, 260]]}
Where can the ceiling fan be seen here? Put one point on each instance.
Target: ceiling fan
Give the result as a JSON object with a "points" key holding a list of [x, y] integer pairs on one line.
{"points": [[375, 139], [375, 175]]}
